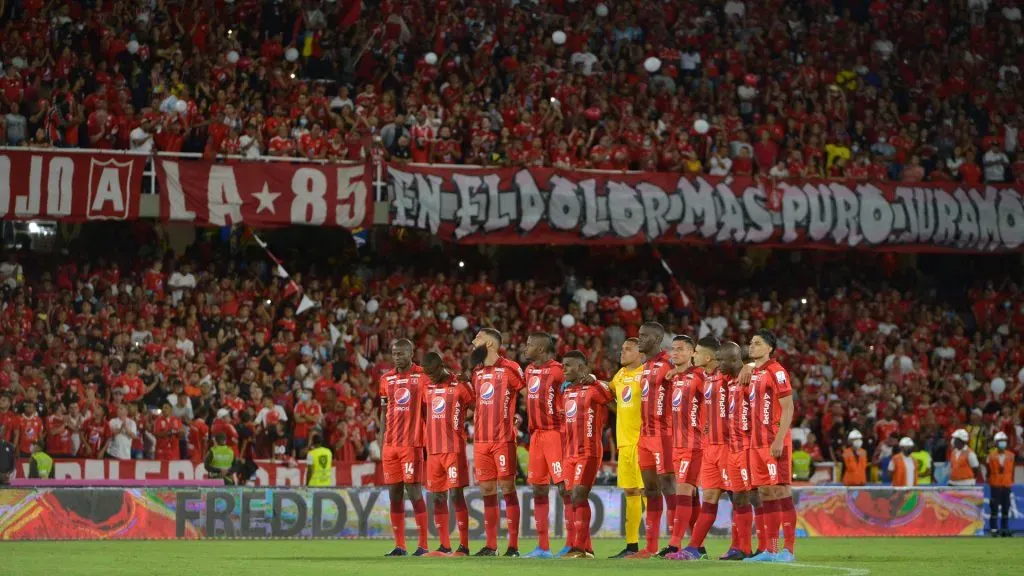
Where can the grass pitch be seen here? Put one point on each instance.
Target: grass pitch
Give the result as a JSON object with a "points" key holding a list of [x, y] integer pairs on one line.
{"points": [[818, 556]]}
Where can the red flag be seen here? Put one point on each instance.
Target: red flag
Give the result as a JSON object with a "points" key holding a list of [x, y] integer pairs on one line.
{"points": [[291, 289], [350, 13], [680, 298]]}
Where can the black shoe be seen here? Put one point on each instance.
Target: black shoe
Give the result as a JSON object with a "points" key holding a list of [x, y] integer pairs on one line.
{"points": [[703, 551], [420, 551], [462, 551], [511, 552], [667, 550], [486, 552], [1007, 534], [626, 553], [397, 552], [993, 533]]}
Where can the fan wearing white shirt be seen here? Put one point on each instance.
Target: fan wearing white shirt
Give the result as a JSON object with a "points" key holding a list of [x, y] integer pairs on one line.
{"points": [[180, 281], [122, 431], [995, 163], [720, 163], [141, 138]]}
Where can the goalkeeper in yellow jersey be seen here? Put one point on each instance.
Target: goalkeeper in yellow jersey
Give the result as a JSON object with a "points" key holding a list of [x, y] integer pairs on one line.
{"points": [[626, 386]]}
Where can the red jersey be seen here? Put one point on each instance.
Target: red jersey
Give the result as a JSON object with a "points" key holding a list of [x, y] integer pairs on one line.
{"points": [[739, 416], [654, 392], [447, 403], [496, 388], [715, 413], [198, 437], [167, 447], [31, 430], [95, 434], [309, 409], [543, 395], [58, 443], [228, 429], [686, 408], [585, 415], [8, 424], [769, 383], [403, 392]]}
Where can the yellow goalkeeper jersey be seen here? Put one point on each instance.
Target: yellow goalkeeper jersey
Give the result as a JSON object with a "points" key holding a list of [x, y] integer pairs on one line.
{"points": [[626, 385]]}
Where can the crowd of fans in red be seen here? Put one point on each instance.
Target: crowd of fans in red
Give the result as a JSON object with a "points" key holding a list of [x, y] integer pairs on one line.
{"points": [[906, 90], [186, 347]]}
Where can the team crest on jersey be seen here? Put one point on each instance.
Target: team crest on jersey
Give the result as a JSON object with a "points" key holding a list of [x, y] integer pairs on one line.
{"points": [[570, 409], [707, 391], [627, 394], [534, 385], [645, 388], [438, 405], [487, 392], [677, 397], [402, 396]]}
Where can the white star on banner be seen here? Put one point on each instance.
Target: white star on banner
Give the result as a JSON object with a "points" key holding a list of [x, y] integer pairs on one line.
{"points": [[267, 199]]}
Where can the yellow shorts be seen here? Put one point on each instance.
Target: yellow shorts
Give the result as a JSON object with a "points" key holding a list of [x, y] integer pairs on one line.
{"points": [[629, 468]]}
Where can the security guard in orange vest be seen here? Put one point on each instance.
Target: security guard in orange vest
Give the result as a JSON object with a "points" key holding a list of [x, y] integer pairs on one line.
{"points": [[963, 461], [902, 467], [855, 460], [1000, 481]]}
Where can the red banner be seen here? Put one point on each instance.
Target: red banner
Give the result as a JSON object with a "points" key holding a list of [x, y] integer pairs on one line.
{"points": [[69, 187], [265, 194], [269, 473], [550, 206]]}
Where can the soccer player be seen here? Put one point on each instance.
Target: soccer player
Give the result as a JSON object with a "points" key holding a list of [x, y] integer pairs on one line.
{"points": [[718, 362], [496, 382], [401, 394], [771, 448], [585, 415], [655, 447], [687, 400], [544, 380], [740, 487], [447, 467], [626, 386]]}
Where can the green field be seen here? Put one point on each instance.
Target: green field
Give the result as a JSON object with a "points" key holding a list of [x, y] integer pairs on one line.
{"points": [[850, 557]]}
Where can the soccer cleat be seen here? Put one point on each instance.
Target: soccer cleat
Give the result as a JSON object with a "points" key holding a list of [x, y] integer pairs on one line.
{"points": [[703, 553], [626, 553], [397, 552], [688, 553], [784, 556], [511, 552], [540, 553], [574, 554], [642, 555], [486, 552], [764, 556], [421, 552], [588, 554], [561, 553], [667, 550], [439, 553], [462, 551], [733, 554]]}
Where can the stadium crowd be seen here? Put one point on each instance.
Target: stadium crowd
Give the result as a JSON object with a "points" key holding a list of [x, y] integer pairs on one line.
{"points": [[137, 357], [906, 90]]}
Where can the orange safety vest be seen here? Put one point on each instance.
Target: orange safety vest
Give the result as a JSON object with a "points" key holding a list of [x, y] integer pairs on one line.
{"points": [[855, 467], [1000, 469], [900, 472], [961, 466]]}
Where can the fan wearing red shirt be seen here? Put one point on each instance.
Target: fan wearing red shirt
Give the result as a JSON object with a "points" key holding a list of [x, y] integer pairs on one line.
{"points": [[401, 392], [134, 387], [95, 435], [30, 430], [496, 381], [308, 414], [586, 409], [167, 428], [447, 467], [223, 425], [8, 419], [198, 437], [58, 435]]}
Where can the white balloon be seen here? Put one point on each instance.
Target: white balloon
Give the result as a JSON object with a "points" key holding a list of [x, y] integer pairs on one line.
{"points": [[233, 57], [701, 126], [181, 106], [627, 303], [558, 37], [568, 321], [430, 58], [372, 305], [291, 54], [601, 10], [652, 64], [133, 47], [998, 385], [1020, 376], [460, 323]]}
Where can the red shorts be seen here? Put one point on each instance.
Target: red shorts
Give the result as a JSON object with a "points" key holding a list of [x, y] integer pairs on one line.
{"points": [[447, 471], [768, 471], [545, 458], [402, 464], [714, 467], [655, 453], [687, 465], [739, 471], [494, 461], [583, 471]]}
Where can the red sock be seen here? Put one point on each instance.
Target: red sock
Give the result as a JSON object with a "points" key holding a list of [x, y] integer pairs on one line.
{"points": [[491, 517], [744, 516], [734, 530], [788, 522], [568, 509], [708, 511], [581, 519], [670, 513], [541, 507], [420, 511], [512, 518], [462, 520], [653, 525], [694, 511], [762, 538], [773, 518], [682, 519], [398, 523], [441, 521]]}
